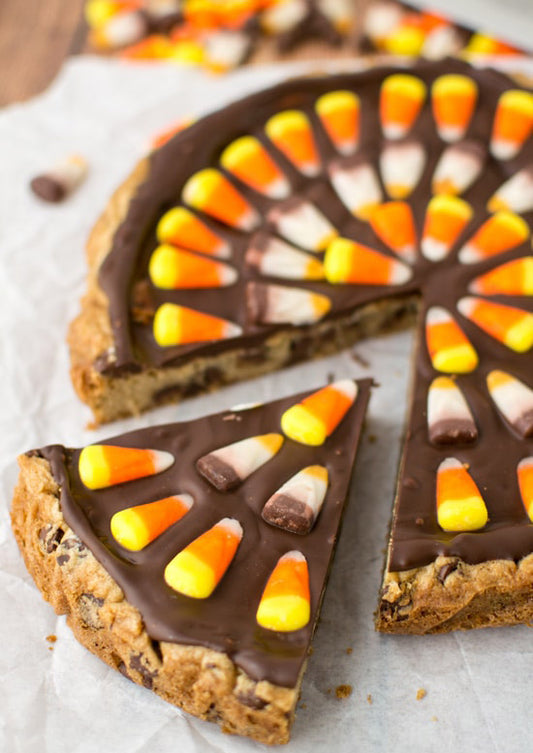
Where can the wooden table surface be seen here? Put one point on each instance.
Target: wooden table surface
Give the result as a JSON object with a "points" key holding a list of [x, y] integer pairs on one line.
{"points": [[35, 38]]}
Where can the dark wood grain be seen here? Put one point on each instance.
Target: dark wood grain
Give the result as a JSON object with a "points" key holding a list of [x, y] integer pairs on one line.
{"points": [[35, 38]]}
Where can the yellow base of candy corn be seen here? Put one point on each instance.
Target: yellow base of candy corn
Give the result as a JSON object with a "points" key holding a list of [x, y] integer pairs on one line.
{"points": [[190, 576], [93, 469], [460, 360], [302, 426], [468, 514], [283, 613], [520, 337], [129, 529]]}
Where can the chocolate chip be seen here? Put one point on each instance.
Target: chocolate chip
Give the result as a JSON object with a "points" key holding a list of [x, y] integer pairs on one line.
{"points": [[250, 699], [88, 606], [63, 559], [446, 570], [148, 675], [51, 538]]}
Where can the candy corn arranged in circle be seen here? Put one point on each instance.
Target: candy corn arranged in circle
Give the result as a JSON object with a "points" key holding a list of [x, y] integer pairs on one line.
{"points": [[227, 467], [453, 98], [394, 224], [290, 131], [198, 569], [446, 218], [136, 527], [513, 399], [450, 420], [357, 186], [301, 223], [278, 304], [347, 261], [179, 325], [180, 227], [401, 100], [102, 465], [247, 159], [174, 268], [296, 505], [402, 165], [313, 420], [501, 232], [458, 167], [525, 483], [509, 325], [460, 506], [211, 192], [513, 278], [449, 349], [515, 195], [276, 258], [513, 123], [339, 114], [285, 603]]}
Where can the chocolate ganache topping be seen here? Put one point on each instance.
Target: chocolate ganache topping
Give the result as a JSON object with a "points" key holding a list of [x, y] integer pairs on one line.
{"points": [[438, 181]]}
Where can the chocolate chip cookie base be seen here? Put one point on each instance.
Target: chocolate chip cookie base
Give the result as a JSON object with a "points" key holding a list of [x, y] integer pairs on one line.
{"points": [[450, 594], [203, 682]]}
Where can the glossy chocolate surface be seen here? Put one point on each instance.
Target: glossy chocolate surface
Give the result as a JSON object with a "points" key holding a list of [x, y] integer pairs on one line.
{"points": [[226, 620]]}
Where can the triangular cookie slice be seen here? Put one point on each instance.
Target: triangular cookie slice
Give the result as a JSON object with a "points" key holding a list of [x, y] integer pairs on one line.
{"points": [[193, 556]]}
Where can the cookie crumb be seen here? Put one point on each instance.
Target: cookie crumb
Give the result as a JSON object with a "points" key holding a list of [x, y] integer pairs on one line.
{"points": [[310, 651], [343, 691], [349, 651], [51, 638], [372, 438], [369, 699], [420, 693], [434, 719]]}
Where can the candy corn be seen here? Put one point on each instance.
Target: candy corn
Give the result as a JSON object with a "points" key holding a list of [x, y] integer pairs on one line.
{"points": [[446, 218], [212, 193], [525, 483], [449, 418], [60, 180], [296, 504], [453, 98], [119, 30], [300, 222], [227, 467], [449, 349], [511, 326], [515, 195], [152, 47], [290, 131], [401, 99], [226, 49], [173, 268], [402, 165], [394, 224], [339, 12], [460, 506], [313, 420], [513, 123], [198, 569], [285, 603], [277, 304], [442, 41], [458, 167], [513, 278], [501, 232], [179, 325], [180, 227], [350, 262], [136, 527], [102, 465], [339, 114], [98, 12], [380, 20], [514, 400], [283, 15], [248, 160], [357, 186], [273, 257]]}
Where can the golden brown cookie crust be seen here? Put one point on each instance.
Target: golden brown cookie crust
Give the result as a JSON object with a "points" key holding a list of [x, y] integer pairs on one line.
{"points": [[203, 682]]}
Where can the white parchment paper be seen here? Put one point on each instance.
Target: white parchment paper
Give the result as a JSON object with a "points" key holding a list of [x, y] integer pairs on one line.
{"points": [[56, 697]]}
